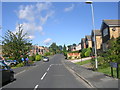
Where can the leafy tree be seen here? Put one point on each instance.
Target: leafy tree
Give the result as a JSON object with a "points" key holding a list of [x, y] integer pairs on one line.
{"points": [[83, 52], [74, 44], [69, 47], [88, 52], [16, 44], [64, 48], [113, 52]]}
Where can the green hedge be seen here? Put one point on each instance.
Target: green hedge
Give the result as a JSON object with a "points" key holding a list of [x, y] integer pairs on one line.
{"points": [[38, 57]]}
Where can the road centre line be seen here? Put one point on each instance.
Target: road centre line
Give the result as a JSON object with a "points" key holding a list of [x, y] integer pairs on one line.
{"points": [[43, 76], [36, 87], [48, 69]]}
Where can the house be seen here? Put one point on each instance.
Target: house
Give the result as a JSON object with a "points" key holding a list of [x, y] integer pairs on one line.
{"points": [[98, 38], [78, 47], [88, 41], [109, 29], [0, 50], [38, 50], [83, 45]]}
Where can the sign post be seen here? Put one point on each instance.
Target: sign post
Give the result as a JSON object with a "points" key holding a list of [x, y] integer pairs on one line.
{"points": [[114, 65]]}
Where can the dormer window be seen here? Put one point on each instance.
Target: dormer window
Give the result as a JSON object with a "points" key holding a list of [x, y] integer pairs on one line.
{"points": [[105, 32]]}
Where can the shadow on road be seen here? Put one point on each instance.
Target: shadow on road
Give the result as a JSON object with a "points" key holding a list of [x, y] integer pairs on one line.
{"points": [[3, 84]]}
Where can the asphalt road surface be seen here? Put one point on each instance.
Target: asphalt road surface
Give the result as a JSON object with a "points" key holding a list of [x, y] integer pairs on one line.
{"points": [[52, 74]]}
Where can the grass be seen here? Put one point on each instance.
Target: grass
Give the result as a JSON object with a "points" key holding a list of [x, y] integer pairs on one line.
{"points": [[83, 62], [107, 71]]}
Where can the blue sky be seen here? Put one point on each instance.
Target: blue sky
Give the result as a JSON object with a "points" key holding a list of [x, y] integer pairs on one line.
{"points": [[60, 22]]}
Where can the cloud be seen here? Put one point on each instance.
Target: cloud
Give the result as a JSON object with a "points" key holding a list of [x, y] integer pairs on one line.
{"points": [[45, 18], [34, 16], [47, 41], [69, 8], [31, 37], [26, 12]]}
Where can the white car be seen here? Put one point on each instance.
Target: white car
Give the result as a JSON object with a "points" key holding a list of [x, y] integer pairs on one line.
{"points": [[45, 59]]}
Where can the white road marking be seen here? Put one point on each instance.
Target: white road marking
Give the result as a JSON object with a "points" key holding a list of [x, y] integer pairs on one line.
{"points": [[36, 87], [43, 76], [48, 69], [20, 72]]}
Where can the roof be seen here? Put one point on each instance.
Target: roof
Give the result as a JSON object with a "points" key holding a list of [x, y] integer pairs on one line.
{"points": [[97, 32], [88, 37], [112, 22], [83, 39]]}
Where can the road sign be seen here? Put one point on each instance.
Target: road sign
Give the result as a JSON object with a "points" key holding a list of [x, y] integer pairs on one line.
{"points": [[113, 64]]}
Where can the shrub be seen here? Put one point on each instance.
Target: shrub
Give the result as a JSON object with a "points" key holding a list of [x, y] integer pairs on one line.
{"points": [[32, 58], [70, 57], [38, 57], [47, 54], [83, 52], [20, 65], [30, 62]]}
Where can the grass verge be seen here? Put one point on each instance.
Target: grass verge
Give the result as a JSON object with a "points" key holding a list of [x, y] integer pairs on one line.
{"points": [[83, 62], [107, 71]]}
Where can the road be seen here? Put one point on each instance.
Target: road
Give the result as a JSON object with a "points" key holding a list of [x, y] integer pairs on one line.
{"points": [[52, 74]]}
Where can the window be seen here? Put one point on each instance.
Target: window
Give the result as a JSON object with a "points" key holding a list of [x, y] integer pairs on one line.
{"points": [[105, 32]]}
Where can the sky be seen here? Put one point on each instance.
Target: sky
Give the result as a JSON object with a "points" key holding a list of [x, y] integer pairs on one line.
{"points": [[60, 22]]}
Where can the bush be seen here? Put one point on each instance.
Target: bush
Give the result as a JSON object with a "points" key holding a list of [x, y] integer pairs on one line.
{"points": [[30, 62], [20, 65], [32, 58], [47, 54], [83, 52], [70, 57], [38, 57]]}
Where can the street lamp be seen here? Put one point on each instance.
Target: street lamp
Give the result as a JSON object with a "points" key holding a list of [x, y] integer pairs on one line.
{"points": [[90, 2]]}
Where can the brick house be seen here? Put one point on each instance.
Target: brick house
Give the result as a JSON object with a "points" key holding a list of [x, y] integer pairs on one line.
{"points": [[83, 43], [109, 29], [98, 39], [88, 41], [38, 49], [0, 50]]}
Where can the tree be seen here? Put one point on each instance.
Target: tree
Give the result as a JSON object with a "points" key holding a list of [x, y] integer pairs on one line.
{"points": [[16, 44], [69, 47], [54, 48], [64, 48], [83, 52], [113, 52], [74, 44], [88, 52]]}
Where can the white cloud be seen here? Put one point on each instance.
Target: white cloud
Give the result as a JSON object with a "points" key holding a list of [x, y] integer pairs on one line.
{"points": [[45, 18], [31, 37], [26, 12], [69, 8], [33, 18], [47, 41]]}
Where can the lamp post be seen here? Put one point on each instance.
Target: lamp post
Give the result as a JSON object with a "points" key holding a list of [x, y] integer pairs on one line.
{"points": [[90, 2]]}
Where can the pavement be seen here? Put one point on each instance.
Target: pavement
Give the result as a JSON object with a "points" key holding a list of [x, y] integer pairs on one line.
{"points": [[94, 79], [52, 74], [79, 60]]}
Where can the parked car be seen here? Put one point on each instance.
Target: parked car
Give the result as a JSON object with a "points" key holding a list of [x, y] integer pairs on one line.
{"points": [[45, 59], [12, 62], [6, 72], [8, 62]]}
